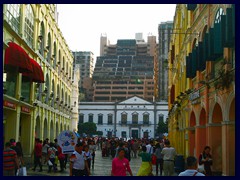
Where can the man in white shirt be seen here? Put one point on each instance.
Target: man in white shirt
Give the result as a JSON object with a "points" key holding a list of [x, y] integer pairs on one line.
{"points": [[192, 166], [150, 147], [169, 154], [78, 161]]}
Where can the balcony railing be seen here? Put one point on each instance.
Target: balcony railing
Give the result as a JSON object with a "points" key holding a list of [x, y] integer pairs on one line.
{"points": [[134, 123]]}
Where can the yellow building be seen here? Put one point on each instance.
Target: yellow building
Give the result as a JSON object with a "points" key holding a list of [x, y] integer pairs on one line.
{"points": [[38, 68], [202, 102]]}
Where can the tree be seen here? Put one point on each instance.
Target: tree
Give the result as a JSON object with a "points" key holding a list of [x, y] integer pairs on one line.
{"points": [[162, 127], [88, 128]]}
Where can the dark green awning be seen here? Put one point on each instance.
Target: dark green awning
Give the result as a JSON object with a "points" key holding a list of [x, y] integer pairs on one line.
{"points": [[191, 7]]}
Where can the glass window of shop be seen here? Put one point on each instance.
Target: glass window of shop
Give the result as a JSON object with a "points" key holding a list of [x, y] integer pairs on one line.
{"points": [[25, 89], [9, 83]]}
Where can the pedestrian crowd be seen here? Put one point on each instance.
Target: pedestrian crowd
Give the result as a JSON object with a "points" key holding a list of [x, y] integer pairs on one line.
{"points": [[153, 152]]}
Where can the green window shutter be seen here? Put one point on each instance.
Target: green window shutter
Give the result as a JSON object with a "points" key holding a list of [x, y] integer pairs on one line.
{"points": [[188, 67], [233, 24], [194, 62], [191, 7], [201, 61], [197, 58], [219, 36], [211, 45], [230, 27], [205, 47]]}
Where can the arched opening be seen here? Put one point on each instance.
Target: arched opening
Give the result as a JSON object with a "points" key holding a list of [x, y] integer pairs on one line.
{"points": [[232, 111], [45, 134], [37, 127], [52, 95], [201, 133], [49, 48], [61, 127], [216, 138], [204, 32], [59, 61], [232, 139], [47, 88], [57, 129], [42, 40], [192, 151], [194, 43], [52, 137], [54, 55]]}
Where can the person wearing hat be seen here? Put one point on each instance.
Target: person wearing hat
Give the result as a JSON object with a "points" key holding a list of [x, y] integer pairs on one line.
{"points": [[78, 162]]}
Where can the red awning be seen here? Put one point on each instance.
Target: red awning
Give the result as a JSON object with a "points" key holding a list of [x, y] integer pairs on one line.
{"points": [[37, 74], [17, 58]]}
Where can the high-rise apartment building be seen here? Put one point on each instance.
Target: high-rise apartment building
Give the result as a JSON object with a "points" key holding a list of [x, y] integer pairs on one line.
{"points": [[126, 69], [84, 60], [164, 34]]}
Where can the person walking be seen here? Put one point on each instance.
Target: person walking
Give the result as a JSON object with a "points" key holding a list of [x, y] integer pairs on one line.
{"points": [[37, 154], [45, 151], [78, 162], [159, 163], [61, 158], [205, 158], [88, 158], [51, 157], [169, 154], [10, 160], [92, 149], [135, 147], [146, 166], [192, 166], [120, 164]]}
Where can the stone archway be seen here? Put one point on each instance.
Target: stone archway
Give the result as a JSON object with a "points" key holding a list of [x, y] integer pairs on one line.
{"points": [[57, 129], [215, 135], [45, 132], [231, 150], [37, 128], [201, 133], [192, 138], [52, 137]]}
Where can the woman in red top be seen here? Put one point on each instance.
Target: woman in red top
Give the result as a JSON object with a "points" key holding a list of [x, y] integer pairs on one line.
{"points": [[120, 164]]}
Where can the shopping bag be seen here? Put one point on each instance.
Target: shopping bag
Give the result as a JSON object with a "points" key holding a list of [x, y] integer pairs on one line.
{"points": [[154, 160], [22, 171], [201, 168], [50, 163]]}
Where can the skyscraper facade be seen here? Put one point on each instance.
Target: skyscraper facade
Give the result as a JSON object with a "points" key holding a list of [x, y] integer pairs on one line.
{"points": [[164, 34]]}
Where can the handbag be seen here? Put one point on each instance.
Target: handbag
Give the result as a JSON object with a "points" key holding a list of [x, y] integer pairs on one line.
{"points": [[22, 171], [201, 168], [154, 160]]}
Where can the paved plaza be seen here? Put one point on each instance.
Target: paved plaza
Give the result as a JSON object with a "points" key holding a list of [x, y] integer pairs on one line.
{"points": [[102, 167]]}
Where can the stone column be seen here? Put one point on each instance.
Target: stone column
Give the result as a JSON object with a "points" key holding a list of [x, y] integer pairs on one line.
{"points": [[228, 148]]}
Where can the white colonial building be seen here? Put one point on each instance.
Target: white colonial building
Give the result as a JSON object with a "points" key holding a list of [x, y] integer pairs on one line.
{"points": [[132, 118]]}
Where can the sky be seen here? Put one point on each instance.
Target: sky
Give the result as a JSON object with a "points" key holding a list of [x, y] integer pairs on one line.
{"points": [[83, 24]]}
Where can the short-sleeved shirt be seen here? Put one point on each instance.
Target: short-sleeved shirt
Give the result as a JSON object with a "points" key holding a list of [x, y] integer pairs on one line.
{"points": [[191, 172], [9, 156], [169, 153], [146, 157], [52, 152], [78, 160], [119, 167], [38, 149]]}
